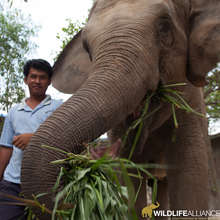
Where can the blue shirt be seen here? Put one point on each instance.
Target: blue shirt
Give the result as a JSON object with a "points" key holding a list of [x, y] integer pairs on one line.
{"points": [[22, 119]]}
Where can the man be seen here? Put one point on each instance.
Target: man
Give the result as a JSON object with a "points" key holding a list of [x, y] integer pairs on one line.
{"points": [[20, 124]]}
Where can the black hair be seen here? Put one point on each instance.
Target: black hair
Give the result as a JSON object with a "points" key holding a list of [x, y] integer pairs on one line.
{"points": [[38, 64]]}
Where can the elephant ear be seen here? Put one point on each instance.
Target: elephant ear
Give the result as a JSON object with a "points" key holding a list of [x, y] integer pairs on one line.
{"points": [[72, 66], [204, 39]]}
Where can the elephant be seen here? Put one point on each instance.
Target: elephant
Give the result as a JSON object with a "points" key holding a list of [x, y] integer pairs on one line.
{"points": [[127, 49], [147, 211]]}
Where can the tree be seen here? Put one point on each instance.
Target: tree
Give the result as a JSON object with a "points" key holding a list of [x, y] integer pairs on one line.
{"points": [[68, 32], [15, 45], [212, 94]]}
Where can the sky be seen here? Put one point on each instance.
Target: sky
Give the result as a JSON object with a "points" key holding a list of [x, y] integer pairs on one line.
{"points": [[51, 16]]}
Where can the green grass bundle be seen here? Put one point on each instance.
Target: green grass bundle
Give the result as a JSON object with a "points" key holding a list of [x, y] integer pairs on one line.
{"points": [[89, 187], [92, 190]]}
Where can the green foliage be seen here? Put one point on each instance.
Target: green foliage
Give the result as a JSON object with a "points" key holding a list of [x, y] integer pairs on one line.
{"points": [[165, 93], [90, 189], [68, 32], [212, 94], [12, 1], [15, 45]]}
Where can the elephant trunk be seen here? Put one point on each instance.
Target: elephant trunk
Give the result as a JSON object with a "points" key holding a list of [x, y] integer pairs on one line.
{"points": [[157, 205], [108, 96]]}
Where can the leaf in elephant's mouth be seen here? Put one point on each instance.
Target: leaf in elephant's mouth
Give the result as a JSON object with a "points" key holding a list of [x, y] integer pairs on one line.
{"points": [[164, 93]]}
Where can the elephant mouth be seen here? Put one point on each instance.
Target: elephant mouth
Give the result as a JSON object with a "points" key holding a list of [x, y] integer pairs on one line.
{"points": [[148, 106], [150, 114]]}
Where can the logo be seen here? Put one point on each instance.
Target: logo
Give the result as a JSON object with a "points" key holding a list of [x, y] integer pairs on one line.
{"points": [[147, 211]]}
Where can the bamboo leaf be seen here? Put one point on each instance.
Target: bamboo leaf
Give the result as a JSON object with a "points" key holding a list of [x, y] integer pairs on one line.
{"points": [[174, 117]]}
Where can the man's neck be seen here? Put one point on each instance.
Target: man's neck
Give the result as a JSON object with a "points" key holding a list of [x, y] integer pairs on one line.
{"points": [[34, 101]]}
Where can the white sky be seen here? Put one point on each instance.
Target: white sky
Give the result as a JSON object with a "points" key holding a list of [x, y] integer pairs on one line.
{"points": [[51, 15]]}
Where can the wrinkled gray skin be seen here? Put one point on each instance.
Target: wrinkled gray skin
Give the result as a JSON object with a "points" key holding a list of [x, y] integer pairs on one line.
{"points": [[126, 49]]}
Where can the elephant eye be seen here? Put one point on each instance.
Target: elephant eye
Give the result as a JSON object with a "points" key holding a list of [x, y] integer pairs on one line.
{"points": [[164, 30]]}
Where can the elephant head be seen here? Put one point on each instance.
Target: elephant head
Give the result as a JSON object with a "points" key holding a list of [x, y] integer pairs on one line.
{"points": [[155, 206], [127, 48]]}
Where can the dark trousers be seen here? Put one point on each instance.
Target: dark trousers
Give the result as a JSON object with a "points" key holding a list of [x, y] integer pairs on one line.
{"points": [[10, 212]]}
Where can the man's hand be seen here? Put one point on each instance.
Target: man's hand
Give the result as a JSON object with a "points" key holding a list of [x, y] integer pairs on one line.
{"points": [[21, 141]]}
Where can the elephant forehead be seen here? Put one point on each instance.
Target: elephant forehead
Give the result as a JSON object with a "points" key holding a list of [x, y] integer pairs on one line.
{"points": [[123, 8], [108, 13]]}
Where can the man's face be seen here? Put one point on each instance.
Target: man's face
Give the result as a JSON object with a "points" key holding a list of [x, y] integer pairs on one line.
{"points": [[37, 82]]}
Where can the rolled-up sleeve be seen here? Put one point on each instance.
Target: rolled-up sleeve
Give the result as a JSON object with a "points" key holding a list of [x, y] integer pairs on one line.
{"points": [[7, 133]]}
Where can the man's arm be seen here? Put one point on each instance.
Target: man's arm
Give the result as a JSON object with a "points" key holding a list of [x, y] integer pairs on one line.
{"points": [[6, 147], [5, 155]]}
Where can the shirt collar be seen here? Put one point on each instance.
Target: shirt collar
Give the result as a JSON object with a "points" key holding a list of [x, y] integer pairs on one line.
{"points": [[23, 105]]}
